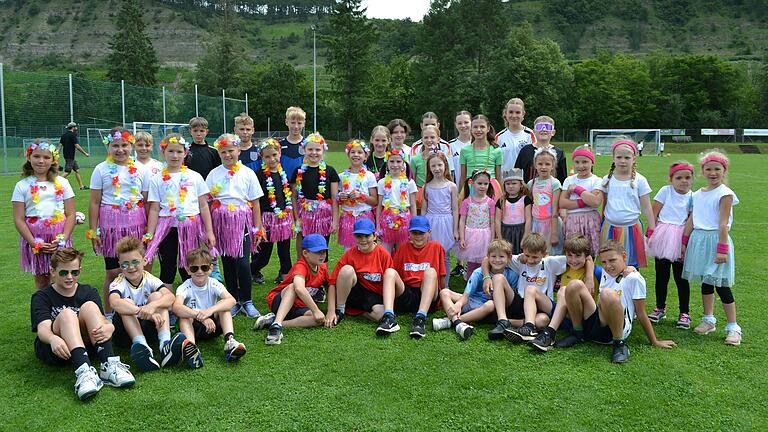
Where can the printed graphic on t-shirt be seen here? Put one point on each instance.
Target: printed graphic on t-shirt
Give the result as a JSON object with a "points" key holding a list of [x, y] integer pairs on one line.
{"points": [[372, 277], [416, 266]]}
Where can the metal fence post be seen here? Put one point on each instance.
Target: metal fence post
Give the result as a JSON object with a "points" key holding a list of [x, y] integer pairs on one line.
{"points": [[2, 110], [224, 109], [122, 99], [164, 120], [71, 106], [197, 111], [246, 103]]}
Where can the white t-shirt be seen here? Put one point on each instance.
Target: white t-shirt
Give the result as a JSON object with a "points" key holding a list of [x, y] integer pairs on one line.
{"points": [[131, 185], [396, 189], [510, 144], [676, 205], [138, 294], [543, 275], [243, 186], [590, 183], [369, 181], [154, 166], [159, 190], [661, 146], [200, 298], [456, 146], [630, 288], [622, 206], [46, 205], [706, 207]]}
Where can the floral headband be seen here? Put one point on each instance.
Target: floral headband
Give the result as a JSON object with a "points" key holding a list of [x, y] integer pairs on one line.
{"points": [[316, 138], [270, 143], [117, 136], [43, 145], [174, 140], [357, 143], [396, 152], [715, 158], [226, 142]]}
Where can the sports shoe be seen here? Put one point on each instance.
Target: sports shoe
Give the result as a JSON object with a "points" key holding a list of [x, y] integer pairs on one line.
{"points": [[440, 324], [275, 335], [684, 321], [705, 327], [172, 319], [498, 332], [733, 337], [258, 278], [657, 315], [236, 309], [279, 278], [569, 341], [143, 358], [464, 330], [250, 310], [319, 296], [116, 374], [339, 316], [83, 187], [192, 354], [418, 329], [233, 350], [521, 334], [543, 341], [264, 321], [87, 383], [620, 353], [217, 275], [458, 270], [387, 325], [171, 353]]}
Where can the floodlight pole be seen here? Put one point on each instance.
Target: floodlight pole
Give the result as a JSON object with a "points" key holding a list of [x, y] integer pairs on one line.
{"points": [[314, 79], [224, 109], [246, 103], [122, 98], [197, 112], [71, 106], [164, 120], [2, 111]]}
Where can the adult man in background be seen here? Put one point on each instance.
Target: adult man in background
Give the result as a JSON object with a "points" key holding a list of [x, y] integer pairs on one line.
{"points": [[69, 142]]}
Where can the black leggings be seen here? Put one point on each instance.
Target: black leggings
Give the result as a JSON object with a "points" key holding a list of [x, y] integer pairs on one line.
{"points": [[662, 280], [260, 259], [237, 273], [725, 293], [167, 252]]}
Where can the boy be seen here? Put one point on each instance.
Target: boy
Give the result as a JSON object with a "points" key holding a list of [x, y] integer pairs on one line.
{"points": [[544, 128], [474, 304], [292, 299], [249, 153], [357, 279], [201, 158], [62, 314], [412, 285], [204, 306], [621, 297], [292, 154], [142, 304]]}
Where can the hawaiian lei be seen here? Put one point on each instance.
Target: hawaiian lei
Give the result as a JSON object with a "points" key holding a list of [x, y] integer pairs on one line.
{"points": [[284, 212], [135, 199], [310, 205], [170, 197], [216, 189], [388, 202], [345, 186], [58, 211]]}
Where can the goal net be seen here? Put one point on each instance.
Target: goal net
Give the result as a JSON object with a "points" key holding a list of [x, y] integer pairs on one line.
{"points": [[601, 139]]}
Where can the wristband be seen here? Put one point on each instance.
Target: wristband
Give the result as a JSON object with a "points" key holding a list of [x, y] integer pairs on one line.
{"points": [[578, 190], [485, 278], [61, 241], [258, 232], [92, 234], [297, 227], [685, 240], [37, 245], [648, 232], [146, 238], [580, 202], [722, 248]]}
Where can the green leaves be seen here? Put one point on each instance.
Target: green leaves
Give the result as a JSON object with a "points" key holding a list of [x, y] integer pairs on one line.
{"points": [[133, 57]]}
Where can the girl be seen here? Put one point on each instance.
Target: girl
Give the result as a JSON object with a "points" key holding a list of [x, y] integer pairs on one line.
{"points": [[143, 149], [545, 190], [463, 124], [116, 209], [315, 184], [514, 136], [236, 220], [513, 214], [43, 211], [381, 141], [397, 199], [671, 207], [179, 219], [709, 256], [357, 195], [441, 208], [626, 194], [277, 216], [399, 130], [482, 155], [430, 119], [581, 200], [430, 137], [475, 216]]}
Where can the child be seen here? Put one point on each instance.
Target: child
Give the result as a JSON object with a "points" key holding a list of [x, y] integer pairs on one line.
{"points": [[475, 218], [581, 201], [482, 155], [381, 141], [621, 297], [357, 194], [513, 213], [116, 209], [671, 207], [399, 131], [235, 212], [626, 193], [179, 219], [545, 191], [430, 136], [43, 211], [544, 128], [143, 303], [463, 124], [292, 301], [277, 216], [430, 119], [292, 146], [441, 198], [203, 306], [249, 153], [397, 202], [143, 149], [357, 280], [201, 158], [474, 304], [708, 252], [412, 284], [63, 314], [514, 136]]}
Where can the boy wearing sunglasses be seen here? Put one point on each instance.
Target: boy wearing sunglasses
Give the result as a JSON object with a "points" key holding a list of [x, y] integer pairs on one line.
{"points": [[142, 303], [204, 307], [70, 325], [544, 128]]}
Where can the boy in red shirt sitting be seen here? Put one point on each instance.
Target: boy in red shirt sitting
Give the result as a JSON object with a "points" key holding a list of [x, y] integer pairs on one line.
{"points": [[293, 299], [412, 285]]}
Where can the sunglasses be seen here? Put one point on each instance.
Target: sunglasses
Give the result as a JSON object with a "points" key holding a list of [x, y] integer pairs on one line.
{"points": [[132, 263], [204, 268], [549, 127], [74, 273]]}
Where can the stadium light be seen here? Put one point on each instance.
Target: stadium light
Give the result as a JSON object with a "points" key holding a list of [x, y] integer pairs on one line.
{"points": [[314, 79]]}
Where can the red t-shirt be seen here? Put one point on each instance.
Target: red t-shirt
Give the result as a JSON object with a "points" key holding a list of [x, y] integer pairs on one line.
{"points": [[369, 267], [411, 263], [311, 280]]}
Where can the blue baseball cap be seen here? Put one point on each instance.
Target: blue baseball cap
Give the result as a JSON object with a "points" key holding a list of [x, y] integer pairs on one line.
{"points": [[314, 243], [419, 223], [364, 226]]}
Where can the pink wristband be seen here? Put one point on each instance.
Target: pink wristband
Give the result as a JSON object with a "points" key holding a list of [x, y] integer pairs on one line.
{"points": [[580, 202], [722, 248], [578, 190], [648, 232], [685, 240]]}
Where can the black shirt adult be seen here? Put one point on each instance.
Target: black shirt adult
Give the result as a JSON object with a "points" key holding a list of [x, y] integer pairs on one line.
{"points": [[47, 303], [525, 162], [68, 141], [311, 178], [202, 159]]}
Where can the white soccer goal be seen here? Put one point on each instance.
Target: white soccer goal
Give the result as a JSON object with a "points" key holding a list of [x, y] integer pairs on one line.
{"points": [[601, 139], [160, 130]]}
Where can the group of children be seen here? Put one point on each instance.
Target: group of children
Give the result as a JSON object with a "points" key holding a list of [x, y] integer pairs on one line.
{"points": [[234, 200]]}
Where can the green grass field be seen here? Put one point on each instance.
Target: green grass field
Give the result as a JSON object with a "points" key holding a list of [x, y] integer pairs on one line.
{"points": [[348, 379]]}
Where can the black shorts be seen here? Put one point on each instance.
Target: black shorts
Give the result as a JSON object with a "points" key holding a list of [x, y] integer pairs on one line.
{"points": [[515, 309], [45, 354], [595, 332], [201, 334], [409, 300], [120, 336], [71, 165], [111, 263], [294, 313], [362, 299]]}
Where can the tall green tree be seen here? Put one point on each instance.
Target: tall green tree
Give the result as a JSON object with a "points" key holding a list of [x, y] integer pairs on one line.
{"points": [[133, 57], [223, 64]]}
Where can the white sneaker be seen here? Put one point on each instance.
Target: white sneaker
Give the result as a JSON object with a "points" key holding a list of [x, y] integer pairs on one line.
{"points": [[464, 330], [87, 382], [264, 321], [116, 374], [441, 324], [233, 350]]}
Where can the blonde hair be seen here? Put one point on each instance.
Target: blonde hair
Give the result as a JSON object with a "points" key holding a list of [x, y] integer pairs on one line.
{"points": [[437, 130], [607, 180], [577, 244], [381, 130], [129, 244], [718, 153], [500, 246], [513, 101], [198, 122], [295, 112], [243, 119], [144, 136], [544, 119], [611, 246], [535, 242]]}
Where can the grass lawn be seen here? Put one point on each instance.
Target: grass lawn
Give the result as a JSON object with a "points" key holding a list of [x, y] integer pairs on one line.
{"points": [[348, 379]]}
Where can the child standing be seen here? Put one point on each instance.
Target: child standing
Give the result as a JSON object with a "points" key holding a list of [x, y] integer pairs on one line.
{"points": [[430, 119], [399, 130], [381, 141], [441, 205], [626, 193], [482, 155], [43, 211], [357, 194], [143, 149], [709, 255], [671, 207], [430, 136], [515, 136], [544, 128], [201, 158], [397, 202], [545, 191], [513, 213], [475, 220], [581, 201], [292, 146], [249, 152]]}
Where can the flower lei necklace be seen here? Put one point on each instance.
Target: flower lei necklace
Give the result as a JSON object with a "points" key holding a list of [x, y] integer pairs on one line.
{"points": [[216, 189], [170, 197], [58, 211], [345, 185], [397, 209], [308, 204], [134, 183], [284, 212]]}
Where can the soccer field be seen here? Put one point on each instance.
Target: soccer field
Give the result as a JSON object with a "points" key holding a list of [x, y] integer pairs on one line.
{"points": [[346, 378]]}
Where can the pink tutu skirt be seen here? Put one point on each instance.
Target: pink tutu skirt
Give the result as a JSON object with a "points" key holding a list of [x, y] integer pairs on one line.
{"points": [[116, 223], [40, 263], [666, 241], [277, 229], [318, 220], [229, 227], [191, 236], [586, 224], [390, 235], [347, 226], [632, 239], [544, 227], [477, 241]]}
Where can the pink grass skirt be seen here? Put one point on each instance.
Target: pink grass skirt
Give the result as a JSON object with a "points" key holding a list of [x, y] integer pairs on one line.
{"points": [[666, 241], [229, 227], [40, 263], [347, 226], [631, 237], [191, 233], [277, 229], [477, 241], [586, 224], [390, 235], [318, 220], [116, 223]]}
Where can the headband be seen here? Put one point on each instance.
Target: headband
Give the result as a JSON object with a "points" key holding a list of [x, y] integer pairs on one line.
{"points": [[712, 157], [45, 146], [270, 143], [680, 167], [174, 140], [584, 152], [117, 136], [625, 142], [357, 143], [549, 149], [226, 142], [316, 138]]}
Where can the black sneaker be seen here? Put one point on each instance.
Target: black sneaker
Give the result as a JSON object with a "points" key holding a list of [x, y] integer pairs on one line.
{"points": [[279, 278], [498, 332], [543, 341], [319, 296], [387, 325], [568, 341], [521, 334], [620, 353], [458, 270], [258, 278], [418, 330], [339, 316], [275, 335]]}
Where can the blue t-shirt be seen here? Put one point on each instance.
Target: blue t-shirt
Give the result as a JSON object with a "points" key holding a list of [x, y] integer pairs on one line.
{"points": [[474, 287], [251, 158], [291, 155]]}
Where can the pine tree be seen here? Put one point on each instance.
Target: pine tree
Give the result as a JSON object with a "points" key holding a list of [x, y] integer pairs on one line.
{"points": [[223, 64], [133, 57]]}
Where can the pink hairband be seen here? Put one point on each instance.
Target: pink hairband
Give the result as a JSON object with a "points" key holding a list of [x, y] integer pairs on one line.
{"points": [[680, 167], [583, 152], [715, 158], [629, 143]]}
